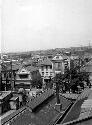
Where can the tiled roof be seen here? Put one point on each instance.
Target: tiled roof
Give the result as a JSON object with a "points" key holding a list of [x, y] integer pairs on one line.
{"points": [[87, 67], [32, 68], [14, 67], [28, 68], [58, 57], [45, 114], [34, 103], [81, 109], [70, 95], [46, 62]]}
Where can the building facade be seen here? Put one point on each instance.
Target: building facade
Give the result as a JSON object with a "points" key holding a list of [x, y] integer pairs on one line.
{"points": [[46, 71], [23, 78], [58, 64]]}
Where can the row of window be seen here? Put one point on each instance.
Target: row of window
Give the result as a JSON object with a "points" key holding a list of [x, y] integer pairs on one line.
{"points": [[47, 73], [46, 67]]}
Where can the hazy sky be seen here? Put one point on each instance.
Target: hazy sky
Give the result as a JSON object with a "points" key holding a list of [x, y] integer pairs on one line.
{"points": [[43, 24]]}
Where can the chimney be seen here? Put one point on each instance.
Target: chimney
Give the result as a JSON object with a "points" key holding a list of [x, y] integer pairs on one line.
{"points": [[58, 105]]}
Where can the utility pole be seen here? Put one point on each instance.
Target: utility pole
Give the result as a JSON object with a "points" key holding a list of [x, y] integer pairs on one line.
{"points": [[57, 93], [0, 77], [70, 71], [58, 105], [57, 88], [11, 82], [2, 39]]}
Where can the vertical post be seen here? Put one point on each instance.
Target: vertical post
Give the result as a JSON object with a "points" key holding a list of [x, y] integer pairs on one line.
{"points": [[57, 93], [11, 74], [12, 84], [79, 64], [0, 78], [14, 78], [58, 105], [70, 71], [6, 82]]}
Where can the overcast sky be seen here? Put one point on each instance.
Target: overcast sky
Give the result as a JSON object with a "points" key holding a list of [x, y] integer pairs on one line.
{"points": [[44, 24]]}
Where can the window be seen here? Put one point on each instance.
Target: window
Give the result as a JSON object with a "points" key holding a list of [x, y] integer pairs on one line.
{"points": [[42, 73], [59, 65], [23, 76], [42, 68], [46, 67], [56, 65], [57, 57], [50, 67], [9, 75], [4, 75], [46, 73]]}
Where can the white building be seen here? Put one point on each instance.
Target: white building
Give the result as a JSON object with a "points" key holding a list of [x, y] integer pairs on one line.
{"points": [[25, 75], [46, 70], [58, 64]]}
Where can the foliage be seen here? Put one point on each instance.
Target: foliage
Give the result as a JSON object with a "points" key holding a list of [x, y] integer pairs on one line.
{"points": [[25, 55], [72, 79], [37, 81]]}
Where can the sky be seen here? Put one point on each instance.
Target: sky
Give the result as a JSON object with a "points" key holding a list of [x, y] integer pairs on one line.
{"points": [[44, 24]]}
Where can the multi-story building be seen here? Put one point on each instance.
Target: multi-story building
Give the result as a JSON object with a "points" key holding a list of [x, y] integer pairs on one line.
{"points": [[88, 68], [24, 76], [8, 73], [58, 64], [46, 70]]}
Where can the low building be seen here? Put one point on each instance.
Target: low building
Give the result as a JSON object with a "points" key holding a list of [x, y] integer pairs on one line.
{"points": [[8, 74], [81, 112], [41, 110], [4, 101]]}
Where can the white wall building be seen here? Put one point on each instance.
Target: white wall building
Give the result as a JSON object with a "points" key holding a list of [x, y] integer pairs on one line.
{"points": [[46, 70]]}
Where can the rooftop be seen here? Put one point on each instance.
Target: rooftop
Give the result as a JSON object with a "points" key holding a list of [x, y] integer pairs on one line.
{"points": [[87, 67], [44, 113], [4, 95], [46, 62], [58, 57], [81, 110], [27, 69]]}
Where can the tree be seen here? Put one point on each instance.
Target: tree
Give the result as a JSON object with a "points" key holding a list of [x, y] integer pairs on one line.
{"points": [[59, 79], [0, 82], [37, 80], [74, 79]]}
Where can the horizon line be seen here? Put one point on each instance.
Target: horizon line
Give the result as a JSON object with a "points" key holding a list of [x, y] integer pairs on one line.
{"points": [[44, 49]]}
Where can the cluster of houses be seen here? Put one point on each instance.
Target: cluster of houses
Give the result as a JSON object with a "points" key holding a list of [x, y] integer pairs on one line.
{"points": [[43, 107], [21, 73]]}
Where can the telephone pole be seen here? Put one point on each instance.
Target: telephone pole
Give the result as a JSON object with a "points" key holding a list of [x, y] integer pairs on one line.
{"points": [[11, 80]]}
